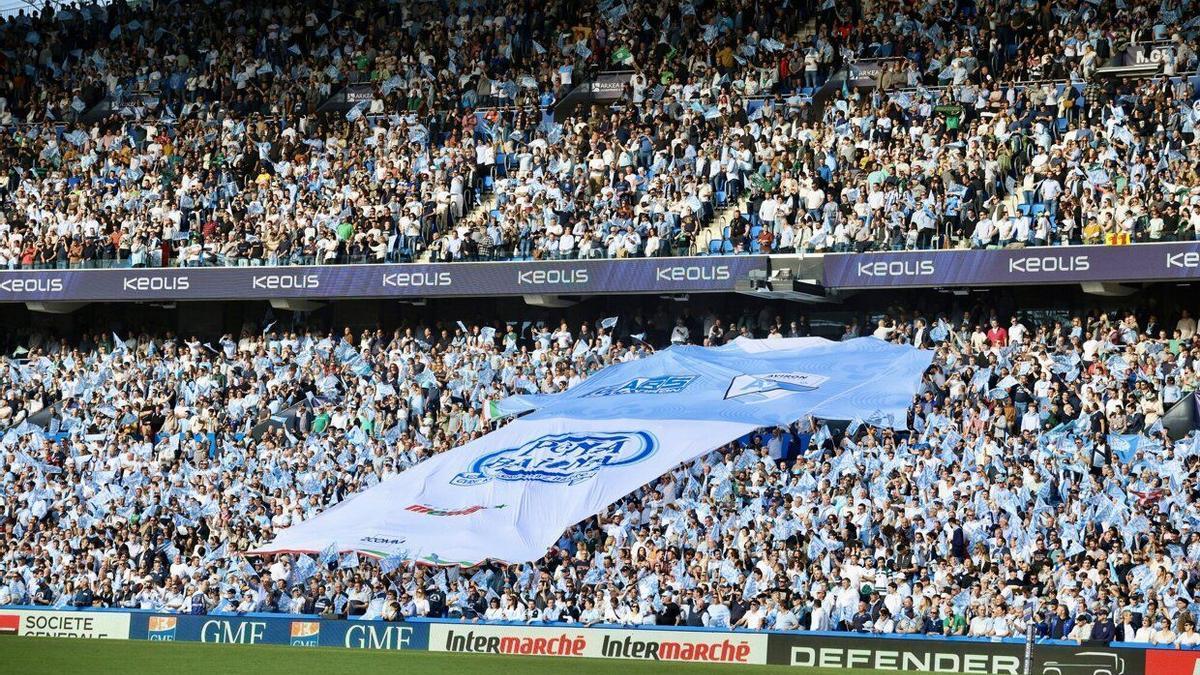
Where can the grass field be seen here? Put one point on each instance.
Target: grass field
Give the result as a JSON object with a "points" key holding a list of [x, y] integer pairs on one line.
{"points": [[32, 656]]}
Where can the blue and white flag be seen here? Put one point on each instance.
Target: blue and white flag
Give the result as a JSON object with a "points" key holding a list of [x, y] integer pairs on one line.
{"points": [[329, 553], [391, 563], [1124, 446], [585, 448]]}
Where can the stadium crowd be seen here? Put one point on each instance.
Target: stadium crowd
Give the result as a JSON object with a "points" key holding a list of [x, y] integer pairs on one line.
{"points": [[1033, 466], [214, 143]]}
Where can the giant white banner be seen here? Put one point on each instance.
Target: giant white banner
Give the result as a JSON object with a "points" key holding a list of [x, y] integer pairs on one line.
{"points": [[509, 495]]}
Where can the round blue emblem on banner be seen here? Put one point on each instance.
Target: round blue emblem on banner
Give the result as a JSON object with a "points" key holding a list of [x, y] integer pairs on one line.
{"points": [[560, 458]]}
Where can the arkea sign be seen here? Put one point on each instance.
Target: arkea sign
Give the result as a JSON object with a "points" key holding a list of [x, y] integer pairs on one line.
{"points": [[1036, 265], [414, 280]]}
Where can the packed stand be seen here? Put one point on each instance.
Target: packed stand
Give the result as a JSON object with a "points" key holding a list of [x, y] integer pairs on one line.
{"points": [[1034, 465], [217, 149]]}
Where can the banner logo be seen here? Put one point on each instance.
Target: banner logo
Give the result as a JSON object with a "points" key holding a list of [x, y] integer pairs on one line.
{"points": [[770, 386], [1086, 663], [662, 384], [285, 281], [1050, 263], [1188, 260], [432, 511], [158, 282], [407, 279], [9, 624], [693, 273], [560, 458], [32, 285], [369, 635], [306, 633], [683, 649], [563, 644], [895, 268], [576, 275], [162, 628]]}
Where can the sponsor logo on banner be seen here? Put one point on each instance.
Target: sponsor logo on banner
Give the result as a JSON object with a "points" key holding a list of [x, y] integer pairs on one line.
{"points": [[10, 624], [771, 386], [892, 268], [417, 279], [562, 644], [560, 458], [677, 648], [32, 285], [162, 628], [298, 632], [577, 275], [1049, 263], [104, 625], [941, 656], [1174, 661], [1189, 260], [285, 281], [155, 282], [1085, 663], [888, 657], [693, 273], [233, 631], [687, 646], [663, 384], [388, 544], [305, 633], [466, 511], [379, 636]]}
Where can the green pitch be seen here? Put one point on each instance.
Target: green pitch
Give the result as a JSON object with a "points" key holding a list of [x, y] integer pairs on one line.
{"points": [[32, 656]]}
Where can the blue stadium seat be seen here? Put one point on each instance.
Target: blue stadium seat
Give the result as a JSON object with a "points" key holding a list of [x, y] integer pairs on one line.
{"points": [[714, 246]]}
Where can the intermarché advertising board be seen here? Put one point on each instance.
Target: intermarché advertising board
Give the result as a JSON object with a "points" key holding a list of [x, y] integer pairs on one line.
{"points": [[968, 657], [413, 280], [607, 643]]}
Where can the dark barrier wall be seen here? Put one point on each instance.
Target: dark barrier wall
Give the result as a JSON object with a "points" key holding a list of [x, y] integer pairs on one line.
{"points": [[416, 280], [1047, 264]]}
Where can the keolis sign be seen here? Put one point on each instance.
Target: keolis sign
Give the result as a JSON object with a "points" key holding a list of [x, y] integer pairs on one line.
{"points": [[575, 277], [1040, 265]]}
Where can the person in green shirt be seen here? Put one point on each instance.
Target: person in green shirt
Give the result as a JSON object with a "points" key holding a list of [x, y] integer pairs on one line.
{"points": [[956, 624], [344, 231], [320, 423]]}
